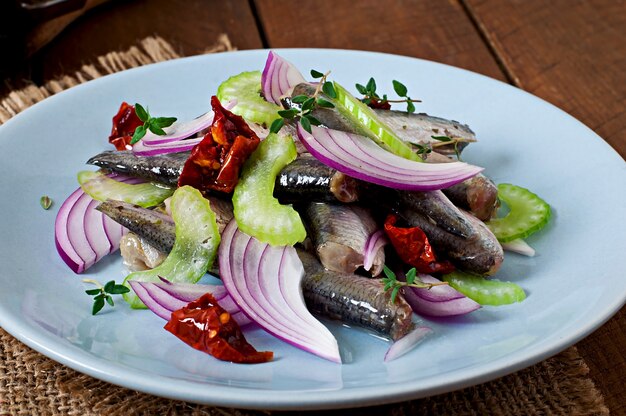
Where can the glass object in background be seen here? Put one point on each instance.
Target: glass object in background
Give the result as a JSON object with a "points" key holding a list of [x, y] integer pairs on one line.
{"points": [[27, 25]]}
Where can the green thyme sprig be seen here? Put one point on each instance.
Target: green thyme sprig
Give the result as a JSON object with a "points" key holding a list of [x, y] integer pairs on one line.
{"points": [[307, 105], [369, 92], [103, 294], [370, 96], [392, 283], [154, 124], [422, 149], [445, 140]]}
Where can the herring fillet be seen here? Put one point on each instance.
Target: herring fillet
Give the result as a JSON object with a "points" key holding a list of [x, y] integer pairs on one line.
{"points": [[478, 252], [340, 233], [409, 127], [354, 299], [478, 194], [154, 227], [308, 179], [418, 128], [165, 169]]}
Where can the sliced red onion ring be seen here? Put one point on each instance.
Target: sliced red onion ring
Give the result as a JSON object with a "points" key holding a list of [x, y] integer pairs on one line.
{"points": [[143, 149], [441, 301], [279, 77], [407, 343], [361, 158], [519, 246], [439, 293], [84, 235], [163, 298], [265, 282], [180, 130], [372, 245]]}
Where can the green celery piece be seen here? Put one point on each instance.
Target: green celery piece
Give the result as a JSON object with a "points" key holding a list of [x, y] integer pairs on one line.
{"points": [[245, 88], [528, 214], [370, 125], [485, 291], [195, 247], [101, 187], [257, 212]]}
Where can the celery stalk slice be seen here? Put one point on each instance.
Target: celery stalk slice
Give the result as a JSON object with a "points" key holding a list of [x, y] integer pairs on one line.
{"points": [[257, 212], [370, 125], [245, 89], [528, 214], [195, 247], [100, 187], [485, 291]]}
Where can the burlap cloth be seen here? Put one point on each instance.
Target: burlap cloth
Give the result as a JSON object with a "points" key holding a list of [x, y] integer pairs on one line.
{"points": [[33, 384]]}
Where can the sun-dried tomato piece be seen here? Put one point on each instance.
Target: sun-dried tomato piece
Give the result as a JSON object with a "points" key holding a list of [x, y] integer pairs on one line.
{"points": [[379, 104], [124, 124], [413, 248], [206, 326], [216, 161]]}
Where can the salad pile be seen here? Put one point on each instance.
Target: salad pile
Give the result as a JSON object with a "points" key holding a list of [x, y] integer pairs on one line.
{"points": [[307, 202]]}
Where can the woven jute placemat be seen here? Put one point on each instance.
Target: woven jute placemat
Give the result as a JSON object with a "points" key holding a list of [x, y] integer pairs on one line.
{"points": [[31, 384]]}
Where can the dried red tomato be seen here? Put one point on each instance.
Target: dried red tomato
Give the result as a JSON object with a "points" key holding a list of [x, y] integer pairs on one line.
{"points": [[215, 162], [124, 124], [413, 248], [207, 327], [379, 104]]}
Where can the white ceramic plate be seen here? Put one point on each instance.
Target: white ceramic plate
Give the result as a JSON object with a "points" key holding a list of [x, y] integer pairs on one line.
{"points": [[574, 284]]}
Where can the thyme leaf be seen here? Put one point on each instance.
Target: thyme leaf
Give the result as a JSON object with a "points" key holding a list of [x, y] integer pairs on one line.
{"points": [[103, 293], [391, 282], [154, 124]]}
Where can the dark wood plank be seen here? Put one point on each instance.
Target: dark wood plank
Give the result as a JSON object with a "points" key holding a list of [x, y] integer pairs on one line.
{"points": [[603, 352], [572, 54], [190, 26], [430, 29]]}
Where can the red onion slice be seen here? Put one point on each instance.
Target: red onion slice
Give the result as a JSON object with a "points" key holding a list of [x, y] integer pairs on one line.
{"points": [[144, 149], [363, 159], [407, 343], [265, 282], [454, 307], [84, 235], [440, 293], [95, 231], [180, 130], [176, 139], [519, 246], [439, 301], [278, 78], [151, 303], [165, 298], [374, 243], [61, 236]]}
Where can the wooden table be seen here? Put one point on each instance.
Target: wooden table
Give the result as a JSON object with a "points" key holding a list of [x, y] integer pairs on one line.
{"points": [[570, 53]]}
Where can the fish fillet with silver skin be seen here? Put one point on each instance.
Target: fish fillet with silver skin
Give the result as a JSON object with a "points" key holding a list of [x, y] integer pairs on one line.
{"points": [[409, 127], [308, 179], [478, 194], [471, 246], [339, 234], [152, 233], [304, 179], [165, 169], [354, 299]]}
